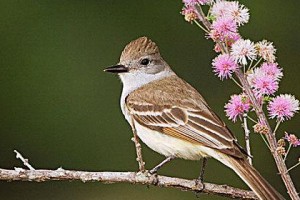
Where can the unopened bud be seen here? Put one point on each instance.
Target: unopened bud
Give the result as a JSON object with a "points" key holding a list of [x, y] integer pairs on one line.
{"points": [[260, 128], [189, 14], [281, 143], [280, 150]]}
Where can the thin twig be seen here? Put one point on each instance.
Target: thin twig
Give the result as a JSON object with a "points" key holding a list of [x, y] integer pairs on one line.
{"points": [[251, 119], [200, 26], [138, 148], [24, 160], [236, 82], [124, 177], [287, 152], [250, 68], [294, 166], [247, 138], [157, 167], [264, 139], [203, 18], [276, 127]]}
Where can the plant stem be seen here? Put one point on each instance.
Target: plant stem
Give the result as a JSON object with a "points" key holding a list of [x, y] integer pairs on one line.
{"points": [[236, 82], [198, 24], [250, 68], [287, 152], [253, 120], [264, 139], [276, 127], [294, 166]]}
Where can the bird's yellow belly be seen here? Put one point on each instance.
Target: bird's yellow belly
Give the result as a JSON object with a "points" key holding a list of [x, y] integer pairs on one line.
{"points": [[170, 146]]}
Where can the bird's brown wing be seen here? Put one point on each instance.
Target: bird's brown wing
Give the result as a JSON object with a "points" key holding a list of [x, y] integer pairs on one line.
{"points": [[185, 116]]}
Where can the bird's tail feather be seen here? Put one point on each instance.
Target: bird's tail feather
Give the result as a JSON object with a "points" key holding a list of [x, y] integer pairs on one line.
{"points": [[253, 179]]}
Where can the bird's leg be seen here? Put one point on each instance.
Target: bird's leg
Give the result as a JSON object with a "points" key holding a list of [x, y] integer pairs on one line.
{"points": [[201, 176], [138, 148], [157, 167]]}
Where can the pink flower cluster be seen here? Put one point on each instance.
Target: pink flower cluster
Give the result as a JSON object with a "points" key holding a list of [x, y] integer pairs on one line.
{"points": [[292, 139], [229, 15], [230, 9], [224, 66], [224, 29], [283, 107], [256, 59], [237, 106], [265, 79], [189, 11], [266, 50], [243, 50]]}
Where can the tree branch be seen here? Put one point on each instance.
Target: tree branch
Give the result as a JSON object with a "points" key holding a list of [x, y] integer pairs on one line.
{"points": [[247, 138], [138, 147], [60, 174]]}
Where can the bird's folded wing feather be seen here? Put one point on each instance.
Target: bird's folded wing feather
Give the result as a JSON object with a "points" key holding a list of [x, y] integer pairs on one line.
{"points": [[183, 118]]}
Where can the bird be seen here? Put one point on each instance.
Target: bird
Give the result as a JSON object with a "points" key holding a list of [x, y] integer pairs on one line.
{"points": [[173, 119]]}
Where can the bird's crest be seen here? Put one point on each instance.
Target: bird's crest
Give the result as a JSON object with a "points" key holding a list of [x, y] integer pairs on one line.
{"points": [[137, 48]]}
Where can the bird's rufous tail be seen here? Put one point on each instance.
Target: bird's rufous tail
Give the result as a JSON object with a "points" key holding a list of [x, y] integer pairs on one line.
{"points": [[253, 179]]}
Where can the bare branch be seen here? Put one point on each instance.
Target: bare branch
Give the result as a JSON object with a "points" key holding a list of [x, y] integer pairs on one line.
{"points": [[138, 148], [24, 160], [124, 177], [247, 138]]}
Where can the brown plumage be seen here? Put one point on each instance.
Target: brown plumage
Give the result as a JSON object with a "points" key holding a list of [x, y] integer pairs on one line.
{"points": [[185, 99], [173, 119]]}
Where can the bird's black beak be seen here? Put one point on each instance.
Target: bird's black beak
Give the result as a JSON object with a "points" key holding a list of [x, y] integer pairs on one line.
{"points": [[116, 69]]}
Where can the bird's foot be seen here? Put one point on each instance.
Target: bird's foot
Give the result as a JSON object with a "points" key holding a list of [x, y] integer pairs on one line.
{"points": [[199, 183]]}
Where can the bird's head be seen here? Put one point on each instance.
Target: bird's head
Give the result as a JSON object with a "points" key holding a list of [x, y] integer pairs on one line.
{"points": [[139, 58]]}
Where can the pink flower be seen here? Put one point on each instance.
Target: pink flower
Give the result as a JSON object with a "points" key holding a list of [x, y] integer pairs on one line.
{"points": [[195, 2], [265, 79], [266, 50], [272, 69], [283, 107], [189, 13], [292, 139], [224, 66], [238, 12], [223, 29], [237, 106], [243, 50], [264, 85], [231, 9], [219, 9]]}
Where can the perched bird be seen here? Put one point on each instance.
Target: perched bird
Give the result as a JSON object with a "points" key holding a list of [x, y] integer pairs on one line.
{"points": [[173, 119]]}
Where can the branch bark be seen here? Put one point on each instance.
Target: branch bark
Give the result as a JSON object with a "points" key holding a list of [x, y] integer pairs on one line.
{"points": [[247, 138], [145, 178]]}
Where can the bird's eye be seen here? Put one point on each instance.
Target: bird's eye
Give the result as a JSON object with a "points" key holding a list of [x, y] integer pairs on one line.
{"points": [[145, 61]]}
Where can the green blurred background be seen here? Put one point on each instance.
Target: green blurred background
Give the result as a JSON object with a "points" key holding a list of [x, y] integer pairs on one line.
{"points": [[60, 109]]}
